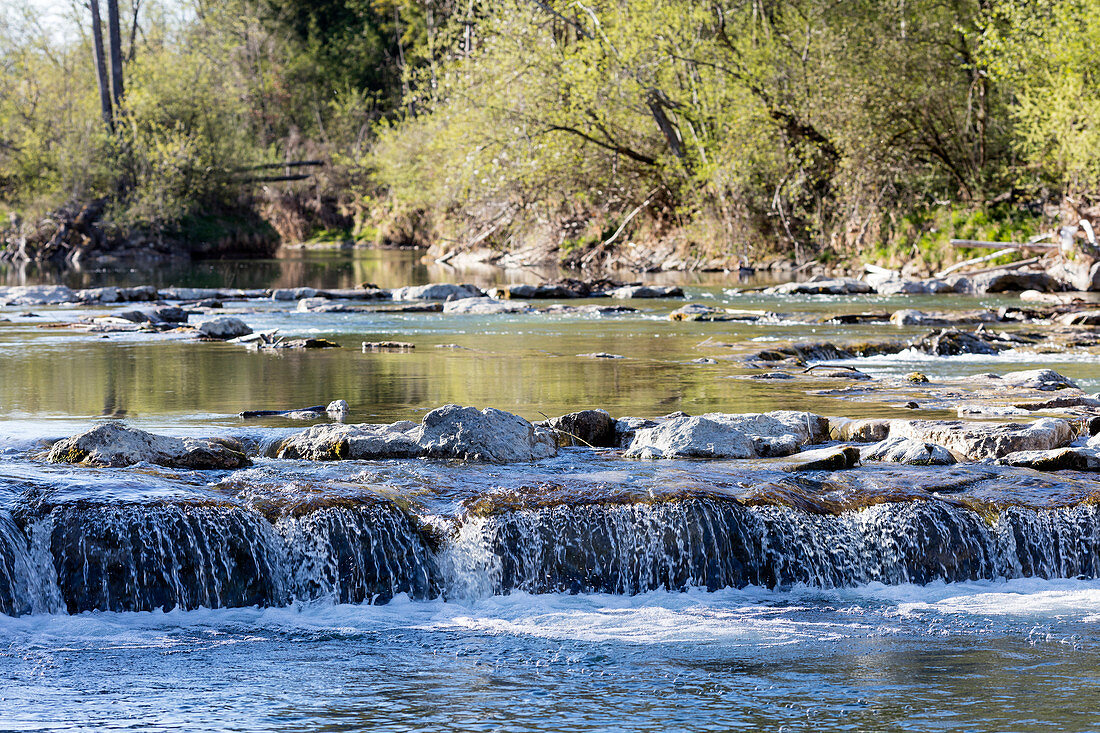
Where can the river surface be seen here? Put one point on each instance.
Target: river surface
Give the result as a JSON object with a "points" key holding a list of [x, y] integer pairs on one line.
{"points": [[992, 654]]}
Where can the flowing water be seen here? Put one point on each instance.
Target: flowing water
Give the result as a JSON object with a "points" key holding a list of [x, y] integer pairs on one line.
{"points": [[583, 592]]}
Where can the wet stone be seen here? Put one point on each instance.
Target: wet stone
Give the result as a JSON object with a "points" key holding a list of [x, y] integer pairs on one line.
{"points": [[113, 444], [908, 451], [587, 427], [718, 435], [980, 440]]}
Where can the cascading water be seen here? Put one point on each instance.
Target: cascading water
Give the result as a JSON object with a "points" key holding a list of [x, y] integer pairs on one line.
{"points": [[365, 553], [130, 556], [712, 543]]}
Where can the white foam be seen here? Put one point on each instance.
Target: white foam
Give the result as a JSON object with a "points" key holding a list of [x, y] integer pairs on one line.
{"points": [[753, 616]]}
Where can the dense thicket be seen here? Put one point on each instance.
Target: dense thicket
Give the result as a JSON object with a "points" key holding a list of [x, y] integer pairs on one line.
{"points": [[725, 126]]}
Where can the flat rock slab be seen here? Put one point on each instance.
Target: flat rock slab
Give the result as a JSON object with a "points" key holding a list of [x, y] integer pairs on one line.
{"points": [[983, 440], [718, 435], [115, 445], [628, 292], [450, 431]]}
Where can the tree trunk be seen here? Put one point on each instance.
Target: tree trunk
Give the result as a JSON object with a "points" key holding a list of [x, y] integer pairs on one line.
{"points": [[101, 67], [115, 34]]}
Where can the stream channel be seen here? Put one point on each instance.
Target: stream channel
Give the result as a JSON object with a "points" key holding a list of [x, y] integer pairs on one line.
{"points": [[580, 592]]}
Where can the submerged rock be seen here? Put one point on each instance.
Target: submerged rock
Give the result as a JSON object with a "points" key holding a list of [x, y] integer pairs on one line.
{"points": [[909, 451], [981, 440], [224, 328], [587, 427], [450, 431], [112, 444], [718, 435]]}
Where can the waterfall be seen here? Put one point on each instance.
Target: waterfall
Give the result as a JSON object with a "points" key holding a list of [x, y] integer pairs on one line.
{"points": [[711, 543], [84, 556]]}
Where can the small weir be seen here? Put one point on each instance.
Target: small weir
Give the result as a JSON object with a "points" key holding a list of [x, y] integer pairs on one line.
{"points": [[83, 556]]}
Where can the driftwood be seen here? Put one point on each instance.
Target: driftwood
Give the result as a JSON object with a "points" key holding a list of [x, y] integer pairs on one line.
{"points": [[977, 260]]}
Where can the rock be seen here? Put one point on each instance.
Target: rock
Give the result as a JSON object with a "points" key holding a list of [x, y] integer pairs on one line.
{"points": [[1063, 459], [1081, 274], [909, 451], [337, 407], [36, 295], [837, 286], [485, 306], [601, 355], [867, 430], [915, 378], [387, 346], [718, 435], [981, 440], [1001, 281], [703, 360], [98, 295], [626, 427], [914, 287], [293, 293], [827, 459], [447, 432], [224, 328], [697, 312], [437, 291], [1046, 380], [168, 314], [909, 317], [341, 442], [195, 294], [591, 427], [646, 291], [543, 292], [488, 435], [952, 342], [113, 444], [839, 373], [321, 305], [1079, 318]]}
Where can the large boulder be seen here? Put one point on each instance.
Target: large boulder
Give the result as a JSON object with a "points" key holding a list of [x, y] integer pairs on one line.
{"points": [[908, 451], [447, 432], [982, 440], [453, 431], [587, 427], [718, 435], [224, 328], [113, 444], [437, 291]]}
